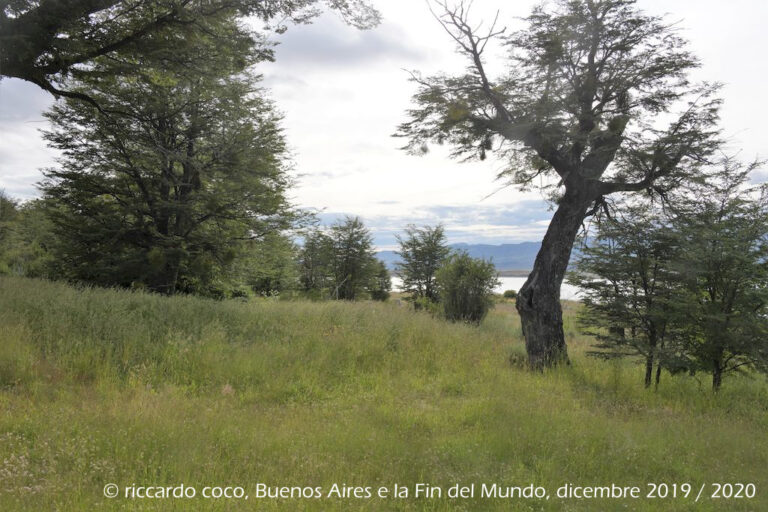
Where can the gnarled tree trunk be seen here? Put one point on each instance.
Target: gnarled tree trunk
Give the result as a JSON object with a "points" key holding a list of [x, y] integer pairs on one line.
{"points": [[538, 301]]}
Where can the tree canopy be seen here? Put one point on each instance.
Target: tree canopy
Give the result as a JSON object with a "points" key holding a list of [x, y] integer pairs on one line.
{"points": [[47, 41], [722, 307]]}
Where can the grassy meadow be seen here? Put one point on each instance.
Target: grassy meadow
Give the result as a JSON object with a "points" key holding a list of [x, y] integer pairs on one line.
{"points": [[102, 386]]}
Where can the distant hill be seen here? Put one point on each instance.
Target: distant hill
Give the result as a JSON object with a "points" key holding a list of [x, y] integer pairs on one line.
{"points": [[505, 257]]}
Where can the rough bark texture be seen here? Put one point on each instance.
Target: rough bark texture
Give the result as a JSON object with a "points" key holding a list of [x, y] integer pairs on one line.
{"points": [[538, 301]]}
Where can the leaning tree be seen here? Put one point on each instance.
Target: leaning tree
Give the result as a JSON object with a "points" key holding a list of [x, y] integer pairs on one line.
{"points": [[596, 100]]}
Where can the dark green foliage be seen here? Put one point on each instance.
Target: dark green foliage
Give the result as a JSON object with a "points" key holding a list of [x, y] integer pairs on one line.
{"points": [[314, 260], [352, 258], [510, 294], [687, 291], [165, 195], [339, 263], [722, 307], [43, 42], [466, 287], [25, 239], [266, 266], [422, 251], [628, 288], [381, 282]]}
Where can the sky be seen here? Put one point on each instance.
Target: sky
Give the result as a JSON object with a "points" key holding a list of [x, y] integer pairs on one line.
{"points": [[343, 93]]}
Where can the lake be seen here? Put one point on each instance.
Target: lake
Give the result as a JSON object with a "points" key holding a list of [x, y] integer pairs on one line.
{"points": [[567, 291]]}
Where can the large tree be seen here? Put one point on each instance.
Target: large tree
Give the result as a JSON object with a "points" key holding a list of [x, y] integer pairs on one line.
{"points": [[596, 101], [46, 41], [353, 264], [165, 194]]}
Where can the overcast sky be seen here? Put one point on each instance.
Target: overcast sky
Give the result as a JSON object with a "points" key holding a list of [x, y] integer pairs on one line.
{"points": [[343, 92]]}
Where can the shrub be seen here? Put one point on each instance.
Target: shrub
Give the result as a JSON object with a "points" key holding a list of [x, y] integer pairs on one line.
{"points": [[510, 294], [466, 287]]}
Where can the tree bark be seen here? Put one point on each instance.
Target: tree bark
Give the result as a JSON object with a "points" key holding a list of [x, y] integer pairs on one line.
{"points": [[538, 301], [650, 358], [648, 370], [717, 376], [166, 280], [658, 376]]}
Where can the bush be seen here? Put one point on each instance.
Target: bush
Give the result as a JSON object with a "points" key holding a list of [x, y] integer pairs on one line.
{"points": [[510, 294], [380, 295], [466, 288]]}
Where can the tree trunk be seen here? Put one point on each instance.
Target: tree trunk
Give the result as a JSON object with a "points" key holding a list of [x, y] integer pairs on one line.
{"points": [[658, 365], [717, 376], [538, 301], [649, 359], [648, 370], [166, 279]]}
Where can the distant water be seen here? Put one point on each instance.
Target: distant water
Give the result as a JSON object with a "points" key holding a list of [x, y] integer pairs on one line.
{"points": [[512, 283]]}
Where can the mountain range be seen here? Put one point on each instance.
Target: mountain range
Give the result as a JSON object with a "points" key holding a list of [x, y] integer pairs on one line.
{"points": [[505, 256]]}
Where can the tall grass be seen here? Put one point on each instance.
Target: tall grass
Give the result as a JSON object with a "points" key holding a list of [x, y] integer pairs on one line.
{"points": [[106, 386]]}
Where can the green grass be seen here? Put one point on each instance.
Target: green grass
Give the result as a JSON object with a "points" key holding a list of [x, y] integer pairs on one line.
{"points": [[104, 386]]}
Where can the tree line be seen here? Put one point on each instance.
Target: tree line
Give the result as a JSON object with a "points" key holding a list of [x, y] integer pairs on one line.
{"points": [[337, 262], [173, 169]]}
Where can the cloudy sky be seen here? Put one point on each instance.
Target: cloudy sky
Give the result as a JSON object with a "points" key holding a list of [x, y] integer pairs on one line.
{"points": [[343, 92]]}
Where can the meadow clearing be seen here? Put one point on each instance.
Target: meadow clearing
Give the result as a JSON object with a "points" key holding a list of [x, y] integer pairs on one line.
{"points": [[102, 386]]}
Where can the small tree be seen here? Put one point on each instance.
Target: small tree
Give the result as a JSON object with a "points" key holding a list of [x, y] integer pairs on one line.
{"points": [[422, 252], [314, 259], [381, 282], [689, 291], [339, 262], [353, 260], [627, 287], [723, 269], [466, 287]]}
